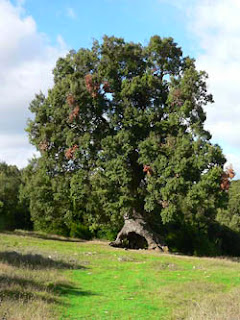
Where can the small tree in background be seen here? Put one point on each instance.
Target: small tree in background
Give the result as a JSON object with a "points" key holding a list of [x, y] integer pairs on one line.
{"points": [[13, 213], [125, 123], [230, 215]]}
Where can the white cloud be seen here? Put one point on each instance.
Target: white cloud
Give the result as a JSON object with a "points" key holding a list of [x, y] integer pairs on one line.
{"points": [[71, 13], [26, 62], [233, 159], [20, 153], [216, 25]]}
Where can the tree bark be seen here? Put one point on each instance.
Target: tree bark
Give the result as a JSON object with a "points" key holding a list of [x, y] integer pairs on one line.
{"points": [[136, 234]]}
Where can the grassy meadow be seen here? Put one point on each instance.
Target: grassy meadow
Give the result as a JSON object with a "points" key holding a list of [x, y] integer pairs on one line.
{"points": [[43, 277]]}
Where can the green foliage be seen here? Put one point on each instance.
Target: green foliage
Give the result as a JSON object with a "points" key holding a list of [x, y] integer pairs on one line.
{"points": [[48, 198], [191, 240], [113, 110], [107, 233], [80, 231], [230, 215], [52, 201], [13, 213]]}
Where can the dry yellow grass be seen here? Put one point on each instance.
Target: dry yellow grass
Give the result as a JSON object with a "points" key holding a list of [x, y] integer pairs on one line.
{"points": [[223, 306], [29, 281], [27, 293]]}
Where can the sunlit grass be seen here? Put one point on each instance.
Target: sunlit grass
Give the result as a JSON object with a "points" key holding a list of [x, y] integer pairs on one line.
{"points": [[57, 279]]}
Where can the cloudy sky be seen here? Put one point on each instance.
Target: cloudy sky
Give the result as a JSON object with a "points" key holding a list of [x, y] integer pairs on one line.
{"points": [[33, 34]]}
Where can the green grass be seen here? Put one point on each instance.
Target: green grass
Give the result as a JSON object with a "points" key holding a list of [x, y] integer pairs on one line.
{"points": [[64, 280]]}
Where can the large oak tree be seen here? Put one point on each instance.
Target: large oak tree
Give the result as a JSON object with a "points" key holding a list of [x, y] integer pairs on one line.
{"points": [[125, 123]]}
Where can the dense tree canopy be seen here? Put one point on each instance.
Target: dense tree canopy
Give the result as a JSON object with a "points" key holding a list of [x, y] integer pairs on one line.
{"points": [[230, 216], [121, 134], [13, 212]]}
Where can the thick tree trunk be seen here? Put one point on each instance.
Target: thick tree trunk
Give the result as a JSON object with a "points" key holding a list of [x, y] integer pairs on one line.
{"points": [[136, 234]]}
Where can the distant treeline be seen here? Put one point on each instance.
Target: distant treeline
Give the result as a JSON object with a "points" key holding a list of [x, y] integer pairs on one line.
{"points": [[31, 199], [14, 211]]}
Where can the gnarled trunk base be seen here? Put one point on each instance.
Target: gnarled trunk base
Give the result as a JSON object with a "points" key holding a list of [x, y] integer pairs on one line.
{"points": [[136, 234]]}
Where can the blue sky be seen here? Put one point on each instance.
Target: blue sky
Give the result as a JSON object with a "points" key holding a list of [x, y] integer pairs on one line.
{"points": [[33, 34], [79, 22]]}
